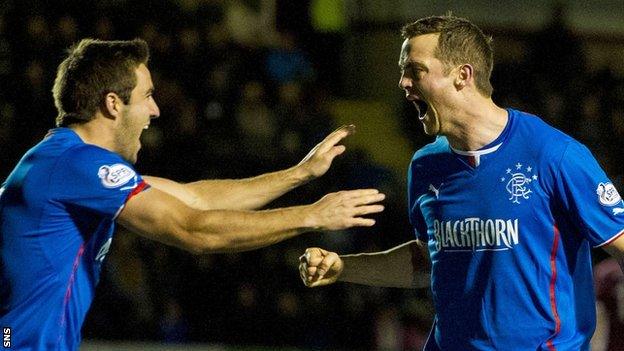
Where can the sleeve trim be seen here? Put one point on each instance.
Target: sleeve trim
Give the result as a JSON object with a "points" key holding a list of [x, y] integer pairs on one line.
{"points": [[613, 238], [140, 187]]}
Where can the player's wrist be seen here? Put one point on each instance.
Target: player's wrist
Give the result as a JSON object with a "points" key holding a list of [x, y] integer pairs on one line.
{"points": [[310, 218], [342, 274], [301, 174]]}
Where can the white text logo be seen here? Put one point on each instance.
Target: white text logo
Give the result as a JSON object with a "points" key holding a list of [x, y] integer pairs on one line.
{"points": [[476, 234], [6, 337]]}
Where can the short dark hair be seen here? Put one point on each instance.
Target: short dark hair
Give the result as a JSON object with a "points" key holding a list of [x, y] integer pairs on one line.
{"points": [[92, 69], [460, 42]]}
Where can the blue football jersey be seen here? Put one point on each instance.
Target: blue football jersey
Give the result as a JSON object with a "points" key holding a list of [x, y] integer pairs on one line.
{"points": [[57, 217], [509, 229]]}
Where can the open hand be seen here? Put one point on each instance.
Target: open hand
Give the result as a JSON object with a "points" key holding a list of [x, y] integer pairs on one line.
{"points": [[345, 209], [319, 159]]}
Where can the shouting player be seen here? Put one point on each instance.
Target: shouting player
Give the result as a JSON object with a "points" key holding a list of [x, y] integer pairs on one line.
{"points": [[507, 206], [59, 206]]}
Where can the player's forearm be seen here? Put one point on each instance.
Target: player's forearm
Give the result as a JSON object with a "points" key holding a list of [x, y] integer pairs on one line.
{"points": [[234, 231], [158, 215], [249, 193], [391, 268]]}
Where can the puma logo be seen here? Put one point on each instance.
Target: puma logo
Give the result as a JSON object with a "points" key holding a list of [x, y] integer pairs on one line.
{"points": [[435, 191]]}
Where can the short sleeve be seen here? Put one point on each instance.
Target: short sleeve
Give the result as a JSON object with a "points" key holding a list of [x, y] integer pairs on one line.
{"points": [[587, 194], [413, 197], [95, 180]]}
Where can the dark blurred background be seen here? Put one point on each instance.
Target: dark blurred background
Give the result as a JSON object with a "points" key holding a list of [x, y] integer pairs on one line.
{"points": [[249, 86]]}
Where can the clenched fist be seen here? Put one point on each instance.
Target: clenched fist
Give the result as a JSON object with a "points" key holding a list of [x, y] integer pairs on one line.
{"points": [[318, 267]]}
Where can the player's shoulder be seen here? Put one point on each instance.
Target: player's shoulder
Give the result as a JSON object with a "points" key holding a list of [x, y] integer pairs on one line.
{"points": [[88, 171], [81, 161], [538, 136], [431, 151], [90, 159], [64, 145], [429, 161], [539, 131], [88, 153]]}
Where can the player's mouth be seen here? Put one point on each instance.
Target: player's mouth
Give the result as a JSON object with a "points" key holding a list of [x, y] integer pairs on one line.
{"points": [[422, 107]]}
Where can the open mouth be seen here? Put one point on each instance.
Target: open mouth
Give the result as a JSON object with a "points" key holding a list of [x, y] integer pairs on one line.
{"points": [[421, 107]]}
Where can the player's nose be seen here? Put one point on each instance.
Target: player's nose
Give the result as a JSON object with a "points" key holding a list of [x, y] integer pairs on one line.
{"points": [[404, 82], [154, 111]]}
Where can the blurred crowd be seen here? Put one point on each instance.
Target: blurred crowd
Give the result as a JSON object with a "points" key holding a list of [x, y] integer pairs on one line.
{"points": [[245, 87]]}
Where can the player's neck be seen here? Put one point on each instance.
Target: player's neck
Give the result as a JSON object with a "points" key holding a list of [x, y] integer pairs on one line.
{"points": [[98, 131], [478, 125]]}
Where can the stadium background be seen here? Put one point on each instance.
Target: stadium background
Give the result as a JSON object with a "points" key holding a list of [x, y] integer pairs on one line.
{"points": [[248, 86]]}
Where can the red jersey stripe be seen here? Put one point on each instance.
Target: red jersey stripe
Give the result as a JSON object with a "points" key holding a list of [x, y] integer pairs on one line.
{"points": [[553, 280], [68, 290]]}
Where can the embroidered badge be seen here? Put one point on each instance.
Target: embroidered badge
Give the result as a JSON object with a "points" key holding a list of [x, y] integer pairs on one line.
{"points": [[116, 175], [518, 181], [608, 194]]}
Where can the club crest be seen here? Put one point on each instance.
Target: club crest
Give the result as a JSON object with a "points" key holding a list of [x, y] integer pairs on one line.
{"points": [[517, 182]]}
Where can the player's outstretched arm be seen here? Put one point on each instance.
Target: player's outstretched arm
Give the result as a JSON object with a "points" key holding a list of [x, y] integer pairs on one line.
{"points": [[402, 266], [256, 192], [158, 215]]}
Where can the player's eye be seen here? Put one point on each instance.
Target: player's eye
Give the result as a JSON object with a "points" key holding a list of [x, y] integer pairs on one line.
{"points": [[416, 71]]}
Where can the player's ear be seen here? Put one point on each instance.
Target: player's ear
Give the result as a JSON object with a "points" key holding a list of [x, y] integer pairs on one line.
{"points": [[465, 74], [112, 105]]}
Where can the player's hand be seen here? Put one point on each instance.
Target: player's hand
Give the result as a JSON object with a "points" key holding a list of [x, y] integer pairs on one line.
{"points": [[319, 159], [318, 267], [345, 209]]}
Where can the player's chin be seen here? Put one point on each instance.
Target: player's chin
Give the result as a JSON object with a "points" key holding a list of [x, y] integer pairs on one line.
{"points": [[134, 156]]}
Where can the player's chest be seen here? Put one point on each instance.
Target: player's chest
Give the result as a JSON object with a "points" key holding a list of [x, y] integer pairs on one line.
{"points": [[488, 209], [498, 190]]}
